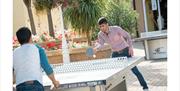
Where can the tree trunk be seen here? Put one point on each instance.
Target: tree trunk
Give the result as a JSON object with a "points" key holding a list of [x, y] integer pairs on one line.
{"points": [[50, 23], [28, 6], [33, 29], [88, 37]]}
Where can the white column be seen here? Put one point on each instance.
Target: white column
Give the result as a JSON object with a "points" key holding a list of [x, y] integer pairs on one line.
{"points": [[159, 16], [65, 50], [146, 29], [145, 16]]}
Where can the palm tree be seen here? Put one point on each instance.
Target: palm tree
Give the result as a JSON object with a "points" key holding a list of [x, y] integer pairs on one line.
{"points": [[46, 5], [28, 6], [83, 15], [49, 16]]}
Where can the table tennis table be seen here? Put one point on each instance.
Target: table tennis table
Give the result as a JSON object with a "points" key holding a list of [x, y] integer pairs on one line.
{"points": [[93, 75]]}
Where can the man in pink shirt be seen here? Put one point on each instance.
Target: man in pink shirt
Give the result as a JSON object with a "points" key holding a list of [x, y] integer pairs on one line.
{"points": [[120, 42]]}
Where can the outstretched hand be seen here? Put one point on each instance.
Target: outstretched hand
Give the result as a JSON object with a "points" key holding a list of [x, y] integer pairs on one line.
{"points": [[95, 50], [131, 52]]}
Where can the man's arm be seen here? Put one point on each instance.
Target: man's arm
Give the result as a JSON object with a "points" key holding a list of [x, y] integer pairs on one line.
{"points": [[127, 37], [45, 65], [99, 44], [54, 81]]}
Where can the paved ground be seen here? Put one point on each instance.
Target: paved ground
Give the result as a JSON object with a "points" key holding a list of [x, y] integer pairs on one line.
{"points": [[154, 71]]}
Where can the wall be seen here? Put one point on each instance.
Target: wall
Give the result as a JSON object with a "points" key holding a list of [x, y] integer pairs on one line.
{"points": [[21, 18], [139, 9], [149, 13], [20, 15]]}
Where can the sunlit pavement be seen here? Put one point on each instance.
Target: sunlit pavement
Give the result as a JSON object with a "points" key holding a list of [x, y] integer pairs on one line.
{"points": [[154, 72]]}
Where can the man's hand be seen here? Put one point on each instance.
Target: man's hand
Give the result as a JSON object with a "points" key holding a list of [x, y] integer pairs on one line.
{"points": [[54, 81], [94, 50], [131, 52], [56, 85]]}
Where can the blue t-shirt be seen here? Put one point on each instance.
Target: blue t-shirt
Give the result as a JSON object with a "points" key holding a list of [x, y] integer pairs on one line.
{"points": [[44, 61]]}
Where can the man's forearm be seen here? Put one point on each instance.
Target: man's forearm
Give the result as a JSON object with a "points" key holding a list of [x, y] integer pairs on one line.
{"points": [[51, 77], [46, 66], [99, 47], [130, 43]]}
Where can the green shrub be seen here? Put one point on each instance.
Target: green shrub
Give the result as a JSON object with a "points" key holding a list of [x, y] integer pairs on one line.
{"points": [[123, 15]]}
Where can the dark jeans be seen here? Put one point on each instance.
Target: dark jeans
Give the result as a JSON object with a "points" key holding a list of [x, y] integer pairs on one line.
{"points": [[35, 86], [134, 69]]}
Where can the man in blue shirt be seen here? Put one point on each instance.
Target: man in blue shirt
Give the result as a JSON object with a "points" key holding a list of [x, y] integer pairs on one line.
{"points": [[28, 59]]}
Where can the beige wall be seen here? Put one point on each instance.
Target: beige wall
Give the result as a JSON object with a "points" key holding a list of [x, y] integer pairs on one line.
{"points": [[41, 21], [139, 9], [19, 15], [150, 18], [21, 18]]}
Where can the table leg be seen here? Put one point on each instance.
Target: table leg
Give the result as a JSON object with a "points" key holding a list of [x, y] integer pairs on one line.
{"points": [[93, 88], [120, 87]]}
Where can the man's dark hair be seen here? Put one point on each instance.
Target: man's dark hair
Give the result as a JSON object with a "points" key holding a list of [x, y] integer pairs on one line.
{"points": [[102, 20], [23, 35]]}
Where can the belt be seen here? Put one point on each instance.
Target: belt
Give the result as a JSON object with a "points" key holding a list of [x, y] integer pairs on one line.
{"points": [[121, 51], [27, 83]]}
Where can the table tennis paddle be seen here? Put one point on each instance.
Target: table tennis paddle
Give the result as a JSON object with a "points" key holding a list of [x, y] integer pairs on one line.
{"points": [[90, 52]]}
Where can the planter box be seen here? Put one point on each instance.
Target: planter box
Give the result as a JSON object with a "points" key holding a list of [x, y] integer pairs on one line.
{"points": [[77, 54]]}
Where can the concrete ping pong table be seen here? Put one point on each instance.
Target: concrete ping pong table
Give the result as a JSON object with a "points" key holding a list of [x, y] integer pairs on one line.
{"points": [[93, 75]]}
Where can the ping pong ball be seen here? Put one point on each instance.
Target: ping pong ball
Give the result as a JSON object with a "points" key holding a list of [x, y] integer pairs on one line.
{"points": [[94, 56]]}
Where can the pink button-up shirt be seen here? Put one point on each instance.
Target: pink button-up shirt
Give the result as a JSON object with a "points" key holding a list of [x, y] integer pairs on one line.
{"points": [[117, 38]]}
